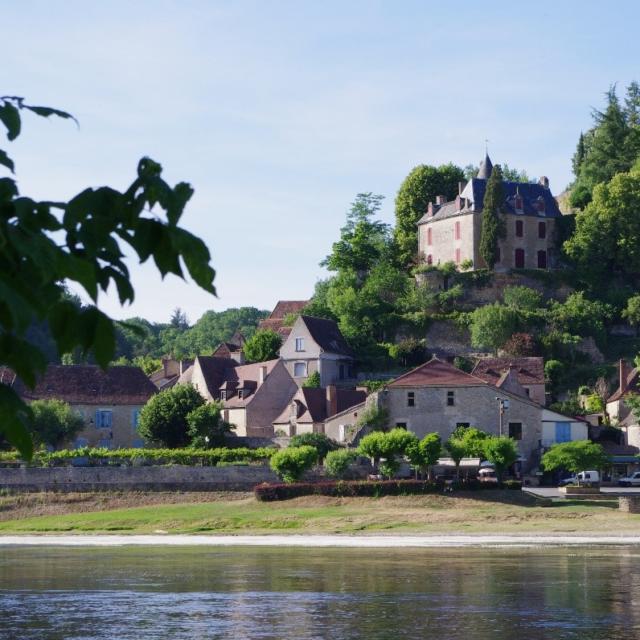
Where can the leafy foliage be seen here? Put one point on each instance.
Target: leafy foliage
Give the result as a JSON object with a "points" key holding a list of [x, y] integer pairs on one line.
{"points": [[420, 187], [313, 381], [376, 418], [501, 451], [164, 419], [84, 241], [576, 456], [492, 325], [322, 443], [423, 454], [262, 346], [493, 225], [291, 463], [337, 463], [205, 426], [54, 422]]}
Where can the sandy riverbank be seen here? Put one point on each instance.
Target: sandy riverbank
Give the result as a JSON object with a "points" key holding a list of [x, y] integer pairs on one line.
{"points": [[360, 541]]}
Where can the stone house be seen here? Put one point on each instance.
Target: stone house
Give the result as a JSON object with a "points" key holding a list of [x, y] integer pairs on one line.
{"points": [[231, 349], [310, 408], [450, 231], [618, 411], [275, 320], [438, 397], [529, 372], [109, 400], [316, 344], [252, 395], [169, 372]]}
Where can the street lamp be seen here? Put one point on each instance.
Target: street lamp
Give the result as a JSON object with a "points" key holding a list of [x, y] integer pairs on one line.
{"points": [[503, 405]]}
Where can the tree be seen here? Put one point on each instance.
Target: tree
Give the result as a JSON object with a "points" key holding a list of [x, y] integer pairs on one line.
{"points": [[163, 420], [420, 187], [501, 451], [493, 225], [632, 311], [262, 346], [423, 454], [520, 345], [205, 426], [322, 443], [575, 456], [312, 382], [376, 418], [457, 449], [45, 244], [54, 422], [179, 319], [578, 315], [291, 463], [492, 325], [337, 463], [474, 441], [522, 299]]}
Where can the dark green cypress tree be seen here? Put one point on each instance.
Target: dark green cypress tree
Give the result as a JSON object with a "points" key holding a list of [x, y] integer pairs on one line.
{"points": [[493, 226]]}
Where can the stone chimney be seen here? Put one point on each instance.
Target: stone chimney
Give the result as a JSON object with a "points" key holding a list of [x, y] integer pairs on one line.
{"points": [[544, 182], [461, 186], [262, 375], [622, 374], [459, 203], [440, 200], [332, 400]]}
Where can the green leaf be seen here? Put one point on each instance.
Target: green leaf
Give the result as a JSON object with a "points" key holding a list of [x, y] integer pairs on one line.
{"points": [[6, 161], [16, 418], [10, 117], [181, 195], [48, 111], [99, 335], [196, 257]]}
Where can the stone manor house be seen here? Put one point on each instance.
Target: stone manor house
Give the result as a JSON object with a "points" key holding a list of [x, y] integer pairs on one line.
{"points": [[450, 231]]}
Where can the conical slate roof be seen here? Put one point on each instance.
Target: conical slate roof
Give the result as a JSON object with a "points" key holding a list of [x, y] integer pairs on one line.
{"points": [[486, 167]]}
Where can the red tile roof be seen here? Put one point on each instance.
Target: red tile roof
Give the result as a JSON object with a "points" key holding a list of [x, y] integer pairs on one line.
{"points": [[437, 373], [245, 376], [312, 404], [89, 384], [285, 307], [529, 370]]}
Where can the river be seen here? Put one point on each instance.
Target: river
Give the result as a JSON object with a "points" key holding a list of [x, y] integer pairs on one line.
{"points": [[206, 592]]}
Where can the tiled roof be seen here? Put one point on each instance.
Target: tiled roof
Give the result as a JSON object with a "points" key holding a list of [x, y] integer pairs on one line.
{"points": [[89, 384], [437, 373], [275, 324], [327, 335], [529, 370], [244, 376], [214, 369], [630, 385], [312, 404], [285, 307]]}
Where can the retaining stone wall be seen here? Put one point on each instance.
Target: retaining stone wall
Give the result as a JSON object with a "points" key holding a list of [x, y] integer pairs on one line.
{"points": [[629, 504]]}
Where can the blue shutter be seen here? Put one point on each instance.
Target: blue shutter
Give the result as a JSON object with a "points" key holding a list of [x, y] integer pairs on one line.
{"points": [[97, 420], [563, 432]]}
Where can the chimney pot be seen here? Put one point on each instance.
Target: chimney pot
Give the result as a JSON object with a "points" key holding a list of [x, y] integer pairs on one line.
{"points": [[544, 182], [440, 200], [262, 375], [332, 400], [430, 208]]}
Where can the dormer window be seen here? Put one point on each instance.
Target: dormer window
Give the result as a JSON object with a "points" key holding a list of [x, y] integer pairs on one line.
{"points": [[240, 392], [223, 395], [541, 207], [518, 204]]}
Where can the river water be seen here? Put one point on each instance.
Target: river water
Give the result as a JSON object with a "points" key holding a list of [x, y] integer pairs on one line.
{"points": [[203, 592]]}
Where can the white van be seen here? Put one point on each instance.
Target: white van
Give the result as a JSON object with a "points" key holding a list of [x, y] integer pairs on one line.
{"points": [[588, 478]]}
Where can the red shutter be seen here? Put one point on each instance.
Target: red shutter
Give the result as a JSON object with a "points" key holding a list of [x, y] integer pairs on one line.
{"points": [[457, 231], [429, 235]]}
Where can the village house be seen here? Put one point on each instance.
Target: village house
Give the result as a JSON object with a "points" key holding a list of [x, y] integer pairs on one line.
{"points": [[316, 344], [109, 400], [618, 411], [232, 348], [529, 373], [438, 397], [450, 231], [282, 312], [252, 395], [311, 407], [167, 375]]}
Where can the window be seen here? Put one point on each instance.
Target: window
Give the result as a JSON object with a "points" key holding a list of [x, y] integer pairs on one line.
{"points": [[299, 344], [463, 425], [429, 259], [240, 392], [401, 425], [542, 229], [515, 430], [519, 228], [541, 207], [451, 398], [518, 204], [457, 228], [429, 236], [563, 432], [223, 395], [519, 258], [299, 369], [527, 391], [542, 259], [411, 399], [135, 418], [103, 418], [457, 256]]}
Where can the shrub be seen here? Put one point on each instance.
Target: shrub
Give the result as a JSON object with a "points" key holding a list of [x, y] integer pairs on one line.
{"points": [[54, 422], [206, 428], [575, 456], [263, 345], [291, 463], [501, 451], [313, 381], [337, 463], [323, 444]]}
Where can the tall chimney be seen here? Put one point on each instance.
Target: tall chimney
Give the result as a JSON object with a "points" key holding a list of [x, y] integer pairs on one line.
{"points": [[262, 375], [332, 400], [461, 186], [430, 208], [544, 182], [622, 374], [440, 200]]}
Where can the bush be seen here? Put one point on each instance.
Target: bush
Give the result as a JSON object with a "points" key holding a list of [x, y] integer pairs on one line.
{"points": [[54, 422], [291, 463], [312, 382], [323, 444], [206, 428], [575, 456], [337, 463]]}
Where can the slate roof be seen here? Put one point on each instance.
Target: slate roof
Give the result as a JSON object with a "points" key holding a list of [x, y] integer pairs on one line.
{"points": [[486, 168], [214, 369], [327, 335], [245, 377], [529, 370], [631, 385], [437, 373], [89, 384]]}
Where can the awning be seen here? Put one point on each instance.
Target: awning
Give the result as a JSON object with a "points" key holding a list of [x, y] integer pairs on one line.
{"points": [[625, 459]]}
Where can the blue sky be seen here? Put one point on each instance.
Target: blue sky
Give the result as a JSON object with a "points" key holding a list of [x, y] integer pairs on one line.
{"points": [[279, 113]]}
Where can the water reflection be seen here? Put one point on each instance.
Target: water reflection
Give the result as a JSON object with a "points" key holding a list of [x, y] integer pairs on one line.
{"points": [[265, 593]]}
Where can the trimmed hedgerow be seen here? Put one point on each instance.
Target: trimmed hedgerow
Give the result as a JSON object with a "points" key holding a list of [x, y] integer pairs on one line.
{"points": [[102, 456], [370, 489]]}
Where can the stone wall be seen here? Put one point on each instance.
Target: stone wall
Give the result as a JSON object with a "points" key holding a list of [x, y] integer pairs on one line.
{"points": [[152, 478], [629, 504]]}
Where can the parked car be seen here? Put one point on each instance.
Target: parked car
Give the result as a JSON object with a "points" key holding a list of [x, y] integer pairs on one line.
{"points": [[487, 474], [585, 478], [630, 481], [570, 480]]}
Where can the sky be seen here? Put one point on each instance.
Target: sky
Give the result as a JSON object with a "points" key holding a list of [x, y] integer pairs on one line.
{"points": [[279, 113]]}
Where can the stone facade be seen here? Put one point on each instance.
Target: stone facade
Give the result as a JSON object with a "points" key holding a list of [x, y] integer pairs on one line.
{"points": [[110, 426]]}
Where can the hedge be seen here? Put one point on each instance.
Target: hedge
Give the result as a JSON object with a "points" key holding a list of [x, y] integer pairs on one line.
{"points": [[102, 456], [370, 489]]}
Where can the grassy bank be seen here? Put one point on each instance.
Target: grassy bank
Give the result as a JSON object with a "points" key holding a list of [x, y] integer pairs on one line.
{"points": [[505, 513]]}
